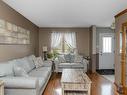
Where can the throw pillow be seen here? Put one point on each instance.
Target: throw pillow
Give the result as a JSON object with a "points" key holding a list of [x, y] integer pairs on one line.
{"points": [[72, 57], [61, 59], [78, 59], [39, 62], [20, 72], [67, 58]]}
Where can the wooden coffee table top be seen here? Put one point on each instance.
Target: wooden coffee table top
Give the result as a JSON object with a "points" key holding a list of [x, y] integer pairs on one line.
{"points": [[74, 76]]}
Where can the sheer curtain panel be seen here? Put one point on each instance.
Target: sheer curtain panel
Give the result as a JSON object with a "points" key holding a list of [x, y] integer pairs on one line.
{"points": [[70, 38], [56, 38]]}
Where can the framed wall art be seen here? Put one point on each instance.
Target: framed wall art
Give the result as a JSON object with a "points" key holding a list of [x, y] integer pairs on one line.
{"points": [[13, 34]]}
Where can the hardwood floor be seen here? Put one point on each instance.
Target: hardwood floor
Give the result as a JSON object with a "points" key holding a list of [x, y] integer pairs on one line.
{"points": [[100, 85]]}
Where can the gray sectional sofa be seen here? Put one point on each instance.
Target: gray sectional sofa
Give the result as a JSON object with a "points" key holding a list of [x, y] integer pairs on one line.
{"points": [[33, 83]]}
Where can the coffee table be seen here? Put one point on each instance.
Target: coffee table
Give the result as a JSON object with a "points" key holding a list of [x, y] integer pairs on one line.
{"points": [[75, 82]]}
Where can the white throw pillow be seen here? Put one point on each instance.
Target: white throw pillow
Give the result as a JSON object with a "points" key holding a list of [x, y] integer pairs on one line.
{"points": [[20, 72], [39, 62]]}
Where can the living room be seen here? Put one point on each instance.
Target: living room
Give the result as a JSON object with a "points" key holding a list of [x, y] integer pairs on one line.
{"points": [[46, 50]]}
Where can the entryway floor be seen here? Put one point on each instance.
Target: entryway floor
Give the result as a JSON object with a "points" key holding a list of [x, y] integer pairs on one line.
{"points": [[110, 77]]}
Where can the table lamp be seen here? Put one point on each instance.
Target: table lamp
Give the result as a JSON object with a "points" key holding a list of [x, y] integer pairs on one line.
{"points": [[45, 52]]}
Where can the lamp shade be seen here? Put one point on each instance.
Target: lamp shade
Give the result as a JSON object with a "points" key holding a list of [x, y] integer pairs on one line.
{"points": [[44, 48]]}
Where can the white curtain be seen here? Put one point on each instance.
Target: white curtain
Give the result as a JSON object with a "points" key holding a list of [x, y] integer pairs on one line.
{"points": [[55, 39], [70, 38]]}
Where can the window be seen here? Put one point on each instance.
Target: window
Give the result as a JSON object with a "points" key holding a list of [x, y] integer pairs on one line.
{"points": [[107, 44], [63, 42], [63, 47]]}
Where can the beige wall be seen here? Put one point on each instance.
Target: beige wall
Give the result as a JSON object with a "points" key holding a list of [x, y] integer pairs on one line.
{"points": [[82, 38], [119, 20], [15, 51]]}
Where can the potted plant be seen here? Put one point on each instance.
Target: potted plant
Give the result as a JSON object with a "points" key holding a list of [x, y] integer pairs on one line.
{"points": [[52, 55]]}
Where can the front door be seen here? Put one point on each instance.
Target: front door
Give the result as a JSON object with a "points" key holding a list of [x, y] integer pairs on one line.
{"points": [[106, 51]]}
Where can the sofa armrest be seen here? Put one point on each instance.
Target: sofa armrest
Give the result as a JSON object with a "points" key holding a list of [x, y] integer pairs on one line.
{"points": [[20, 82], [85, 63], [78, 59]]}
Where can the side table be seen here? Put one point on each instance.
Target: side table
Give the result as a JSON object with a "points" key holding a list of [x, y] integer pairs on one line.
{"points": [[53, 66]]}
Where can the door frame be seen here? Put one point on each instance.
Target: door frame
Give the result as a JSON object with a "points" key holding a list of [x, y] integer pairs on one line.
{"points": [[101, 43], [123, 58]]}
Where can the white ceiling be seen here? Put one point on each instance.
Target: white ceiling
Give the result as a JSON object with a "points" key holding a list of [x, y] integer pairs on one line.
{"points": [[69, 13]]}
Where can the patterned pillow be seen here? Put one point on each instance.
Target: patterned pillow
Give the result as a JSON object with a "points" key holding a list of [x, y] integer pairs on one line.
{"points": [[39, 62], [72, 57], [78, 59], [61, 59], [67, 58]]}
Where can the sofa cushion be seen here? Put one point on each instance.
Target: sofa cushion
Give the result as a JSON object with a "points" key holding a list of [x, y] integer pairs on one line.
{"points": [[78, 65], [6, 69], [47, 63], [18, 71], [65, 65], [41, 72], [24, 63]]}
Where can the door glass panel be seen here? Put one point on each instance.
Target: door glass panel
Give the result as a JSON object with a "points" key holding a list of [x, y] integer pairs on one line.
{"points": [[120, 42], [107, 44]]}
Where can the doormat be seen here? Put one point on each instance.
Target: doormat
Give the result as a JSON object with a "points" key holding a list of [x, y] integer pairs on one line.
{"points": [[106, 72]]}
